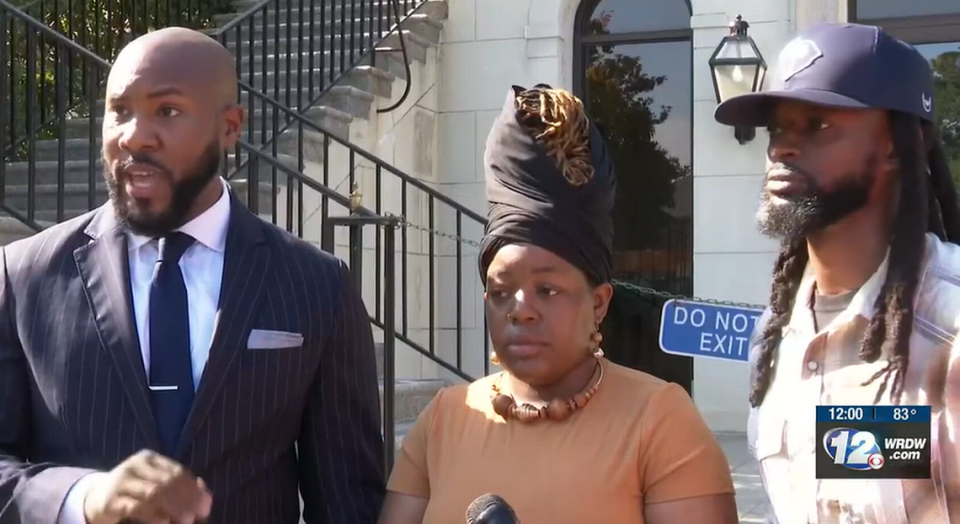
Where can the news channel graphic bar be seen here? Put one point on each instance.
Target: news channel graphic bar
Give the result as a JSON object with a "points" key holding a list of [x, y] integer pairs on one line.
{"points": [[873, 442]]}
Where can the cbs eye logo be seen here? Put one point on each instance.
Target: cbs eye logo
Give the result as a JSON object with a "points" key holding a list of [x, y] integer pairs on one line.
{"points": [[853, 449]]}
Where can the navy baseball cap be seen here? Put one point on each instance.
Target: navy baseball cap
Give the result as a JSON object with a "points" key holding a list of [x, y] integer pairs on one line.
{"points": [[844, 66]]}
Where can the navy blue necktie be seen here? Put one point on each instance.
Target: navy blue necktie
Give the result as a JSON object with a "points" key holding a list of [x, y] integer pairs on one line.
{"points": [[171, 371]]}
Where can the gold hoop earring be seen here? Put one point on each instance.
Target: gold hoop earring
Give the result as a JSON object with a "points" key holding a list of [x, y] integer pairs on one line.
{"points": [[494, 359]]}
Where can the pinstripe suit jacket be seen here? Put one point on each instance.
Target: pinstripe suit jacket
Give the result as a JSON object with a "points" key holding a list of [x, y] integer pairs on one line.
{"points": [[73, 394]]}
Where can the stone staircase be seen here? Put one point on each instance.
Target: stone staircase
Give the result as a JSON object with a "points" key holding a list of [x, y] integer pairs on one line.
{"points": [[277, 62], [410, 397], [351, 99], [347, 110]]}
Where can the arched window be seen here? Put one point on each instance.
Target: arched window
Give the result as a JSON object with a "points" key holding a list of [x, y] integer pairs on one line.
{"points": [[633, 62], [626, 18]]}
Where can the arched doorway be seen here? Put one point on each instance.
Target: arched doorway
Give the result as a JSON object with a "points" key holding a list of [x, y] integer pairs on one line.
{"points": [[633, 61]]}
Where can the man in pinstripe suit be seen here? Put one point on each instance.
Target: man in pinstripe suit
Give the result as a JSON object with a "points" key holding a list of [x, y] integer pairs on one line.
{"points": [[174, 320]]}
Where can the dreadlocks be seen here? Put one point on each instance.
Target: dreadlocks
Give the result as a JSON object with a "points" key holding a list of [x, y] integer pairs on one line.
{"points": [[557, 119], [926, 203]]}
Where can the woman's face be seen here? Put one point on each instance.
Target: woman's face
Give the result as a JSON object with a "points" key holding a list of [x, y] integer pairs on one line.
{"points": [[542, 313]]}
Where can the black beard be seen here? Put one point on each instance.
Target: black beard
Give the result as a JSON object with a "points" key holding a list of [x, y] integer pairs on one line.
{"points": [[141, 220], [817, 209]]}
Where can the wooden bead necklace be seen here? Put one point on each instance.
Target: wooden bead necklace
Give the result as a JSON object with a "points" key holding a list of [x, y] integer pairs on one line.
{"points": [[557, 410]]}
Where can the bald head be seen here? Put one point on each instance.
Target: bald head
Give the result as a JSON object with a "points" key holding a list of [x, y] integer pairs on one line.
{"points": [[181, 55], [171, 111]]}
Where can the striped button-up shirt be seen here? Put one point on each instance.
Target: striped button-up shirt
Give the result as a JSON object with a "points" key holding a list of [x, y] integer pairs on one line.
{"points": [[823, 368]]}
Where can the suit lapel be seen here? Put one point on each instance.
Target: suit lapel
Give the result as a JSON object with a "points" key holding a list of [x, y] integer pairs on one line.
{"points": [[246, 262], [104, 269]]}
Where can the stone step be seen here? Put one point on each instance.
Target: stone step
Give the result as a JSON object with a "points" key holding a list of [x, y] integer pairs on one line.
{"points": [[276, 35], [348, 99], [46, 172], [73, 149], [76, 197], [352, 31], [278, 83], [78, 171], [324, 20], [295, 45], [388, 59], [12, 229], [242, 6], [247, 46], [290, 145], [80, 127], [78, 168], [411, 397], [435, 9], [416, 47], [276, 59], [314, 59], [289, 84], [333, 113], [258, 128], [338, 122]]}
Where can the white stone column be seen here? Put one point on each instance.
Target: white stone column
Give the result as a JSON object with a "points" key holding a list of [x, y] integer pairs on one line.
{"points": [[810, 12], [732, 261]]}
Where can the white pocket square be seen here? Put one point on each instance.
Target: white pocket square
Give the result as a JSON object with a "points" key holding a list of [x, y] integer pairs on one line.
{"points": [[266, 339]]}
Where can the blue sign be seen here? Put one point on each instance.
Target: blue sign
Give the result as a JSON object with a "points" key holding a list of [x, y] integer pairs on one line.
{"points": [[699, 329]]}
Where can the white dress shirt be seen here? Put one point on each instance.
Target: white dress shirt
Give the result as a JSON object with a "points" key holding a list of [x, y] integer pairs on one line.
{"points": [[202, 268]]}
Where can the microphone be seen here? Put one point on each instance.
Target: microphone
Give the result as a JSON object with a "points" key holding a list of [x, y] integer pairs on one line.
{"points": [[490, 509]]}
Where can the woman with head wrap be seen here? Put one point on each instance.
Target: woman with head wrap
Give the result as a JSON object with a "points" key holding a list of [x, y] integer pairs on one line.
{"points": [[562, 434]]}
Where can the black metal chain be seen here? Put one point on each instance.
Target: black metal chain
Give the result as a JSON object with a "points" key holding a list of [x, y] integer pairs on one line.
{"points": [[629, 286], [406, 223]]}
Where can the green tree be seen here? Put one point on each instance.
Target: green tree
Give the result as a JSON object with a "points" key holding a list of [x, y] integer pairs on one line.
{"points": [[37, 68], [618, 99], [946, 93]]}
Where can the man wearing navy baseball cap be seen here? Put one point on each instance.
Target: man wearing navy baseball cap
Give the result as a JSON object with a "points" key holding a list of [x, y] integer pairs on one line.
{"points": [[865, 297]]}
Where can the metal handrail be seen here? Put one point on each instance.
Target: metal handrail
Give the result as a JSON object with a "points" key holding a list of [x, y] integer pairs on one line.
{"points": [[303, 179], [50, 33], [242, 17], [362, 211], [30, 4], [20, 14], [394, 7], [359, 210], [306, 122], [100, 62], [32, 224], [416, 347], [258, 151]]}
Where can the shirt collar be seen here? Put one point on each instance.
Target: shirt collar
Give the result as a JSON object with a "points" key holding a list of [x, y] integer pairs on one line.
{"points": [[863, 304], [208, 228]]}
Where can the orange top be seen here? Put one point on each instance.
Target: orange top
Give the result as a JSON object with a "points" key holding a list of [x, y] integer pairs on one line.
{"points": [[639, 441]]}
